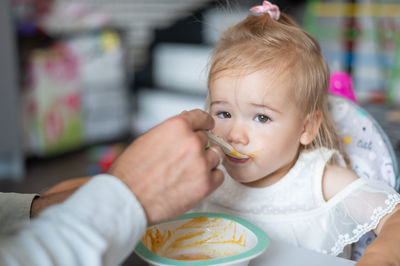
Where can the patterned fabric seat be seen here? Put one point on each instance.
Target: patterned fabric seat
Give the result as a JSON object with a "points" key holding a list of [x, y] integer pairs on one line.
{"points": [[370, 151]]}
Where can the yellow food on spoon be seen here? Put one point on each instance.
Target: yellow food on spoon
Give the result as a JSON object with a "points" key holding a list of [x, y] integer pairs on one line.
{"points": [[226, 147], [236, 154]]}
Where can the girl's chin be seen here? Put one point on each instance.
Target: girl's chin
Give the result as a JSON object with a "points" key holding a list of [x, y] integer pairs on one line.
{"points": [[240, 179]]}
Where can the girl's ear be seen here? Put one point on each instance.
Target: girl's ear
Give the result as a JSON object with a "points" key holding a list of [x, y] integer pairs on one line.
{"points": [[310, 128]]}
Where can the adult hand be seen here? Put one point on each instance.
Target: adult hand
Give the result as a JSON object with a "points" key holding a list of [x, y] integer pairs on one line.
{"points": [[384, 250], [168, 168]]}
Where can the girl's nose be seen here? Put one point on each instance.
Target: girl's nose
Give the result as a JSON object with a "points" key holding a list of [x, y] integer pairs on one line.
{"points": [[238, 135]]}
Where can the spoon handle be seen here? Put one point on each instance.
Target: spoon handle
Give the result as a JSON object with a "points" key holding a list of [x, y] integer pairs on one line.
{"points": [[220, 142], [228, 149]]}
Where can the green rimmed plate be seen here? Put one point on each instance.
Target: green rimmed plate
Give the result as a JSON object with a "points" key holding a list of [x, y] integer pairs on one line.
{"points": [[202, 239]]}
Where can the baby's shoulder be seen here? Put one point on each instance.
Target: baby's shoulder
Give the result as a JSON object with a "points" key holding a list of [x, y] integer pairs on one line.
{"points": [[334, 179]]}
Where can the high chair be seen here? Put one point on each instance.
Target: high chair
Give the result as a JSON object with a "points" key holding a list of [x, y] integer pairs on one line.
{"points": [[368, 147]]}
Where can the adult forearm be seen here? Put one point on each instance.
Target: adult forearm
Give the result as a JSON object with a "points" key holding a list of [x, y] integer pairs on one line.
{"points": [[385, 249], [44, 201], [56, 194]]}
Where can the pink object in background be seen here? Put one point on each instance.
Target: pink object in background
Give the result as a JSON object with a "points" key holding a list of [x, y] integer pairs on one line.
{"points": [[342, 85]]}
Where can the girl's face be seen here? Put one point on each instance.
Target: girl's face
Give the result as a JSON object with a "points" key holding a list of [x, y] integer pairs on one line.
{"points": [[257, 116]]}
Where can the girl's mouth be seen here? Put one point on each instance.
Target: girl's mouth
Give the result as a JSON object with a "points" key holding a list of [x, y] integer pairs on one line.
{"points": [[237, 160]]}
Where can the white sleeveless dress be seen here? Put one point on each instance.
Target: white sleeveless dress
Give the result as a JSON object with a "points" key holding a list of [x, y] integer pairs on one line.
{"points": [[294, 210]]}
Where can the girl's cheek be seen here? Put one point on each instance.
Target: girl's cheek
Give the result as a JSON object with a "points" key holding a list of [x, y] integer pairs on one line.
{"points": [[219, 129]]}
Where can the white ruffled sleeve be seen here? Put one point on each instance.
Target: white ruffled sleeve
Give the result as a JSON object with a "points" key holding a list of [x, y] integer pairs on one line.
{"points": [[356, 210]]}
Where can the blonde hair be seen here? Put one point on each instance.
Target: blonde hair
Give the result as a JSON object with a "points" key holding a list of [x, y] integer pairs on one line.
{"points": [[258, 43]]}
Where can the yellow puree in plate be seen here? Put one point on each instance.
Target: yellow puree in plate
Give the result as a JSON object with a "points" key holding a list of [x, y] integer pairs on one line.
{"points": [[156, 240]]}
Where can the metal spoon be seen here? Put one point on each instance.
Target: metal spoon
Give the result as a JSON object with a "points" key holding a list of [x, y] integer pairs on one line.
{"points": [[228, 149]]}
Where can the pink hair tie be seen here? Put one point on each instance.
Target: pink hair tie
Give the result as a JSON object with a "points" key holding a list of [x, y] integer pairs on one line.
{"points": [[267, 7]]}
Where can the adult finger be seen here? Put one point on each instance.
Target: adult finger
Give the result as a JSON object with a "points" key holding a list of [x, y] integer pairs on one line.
{"points": [[198, 119], [203, 137], [214, 156], [216, 179]]}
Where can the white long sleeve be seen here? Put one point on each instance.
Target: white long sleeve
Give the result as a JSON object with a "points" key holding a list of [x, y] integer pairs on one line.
{"points": [[15, 210], [100, 224]]}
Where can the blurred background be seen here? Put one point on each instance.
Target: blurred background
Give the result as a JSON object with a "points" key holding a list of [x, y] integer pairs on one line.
{"points": [[79, 80]]}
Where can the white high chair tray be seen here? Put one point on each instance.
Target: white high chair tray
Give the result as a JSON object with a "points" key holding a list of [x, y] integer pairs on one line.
{"points": [[283, 254]]}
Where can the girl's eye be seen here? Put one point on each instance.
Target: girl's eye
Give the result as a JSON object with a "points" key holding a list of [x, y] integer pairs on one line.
{"points": [[262, 118], [224, 115]]}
